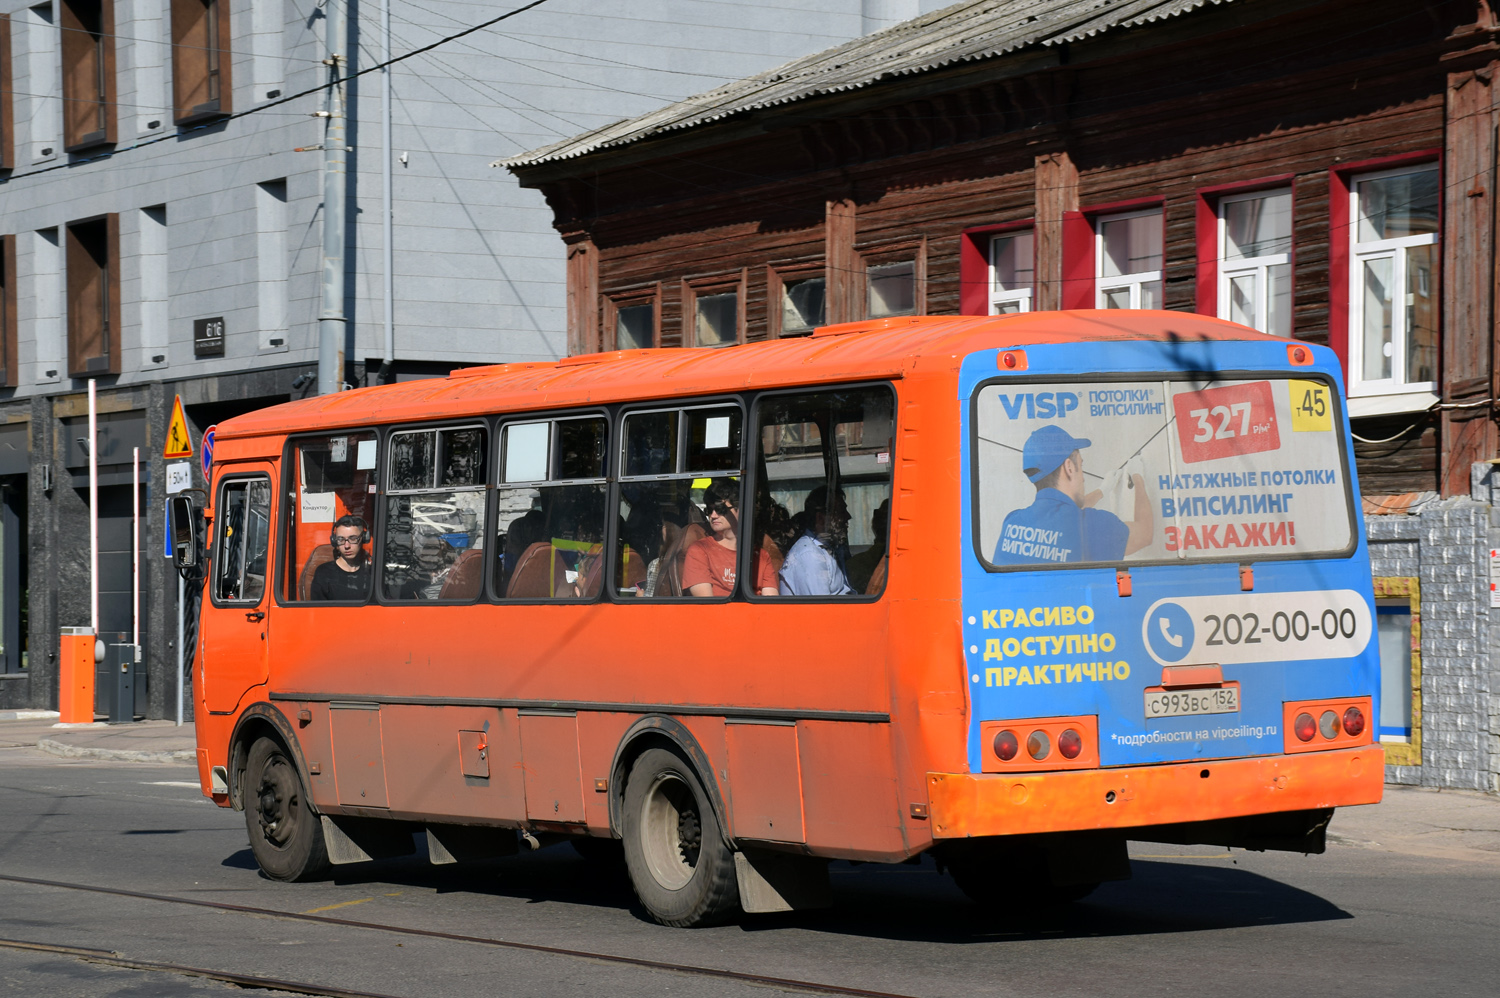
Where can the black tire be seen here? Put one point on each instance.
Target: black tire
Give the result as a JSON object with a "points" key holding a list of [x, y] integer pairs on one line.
{"points": [[674, 849], [286, 834]]}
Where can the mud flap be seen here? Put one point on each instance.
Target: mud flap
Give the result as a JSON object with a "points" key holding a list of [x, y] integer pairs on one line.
{"points": [[462, 843], [359, 840], [779, 881]]}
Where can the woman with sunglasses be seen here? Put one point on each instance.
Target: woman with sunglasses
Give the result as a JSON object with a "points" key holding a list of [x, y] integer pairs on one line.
{"points": [[709, 569]]}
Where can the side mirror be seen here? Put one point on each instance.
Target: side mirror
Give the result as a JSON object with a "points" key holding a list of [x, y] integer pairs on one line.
{"points": [[182, 519]]}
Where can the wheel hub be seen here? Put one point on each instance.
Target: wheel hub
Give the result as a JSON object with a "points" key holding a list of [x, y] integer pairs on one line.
{"points": [[671, 832]]}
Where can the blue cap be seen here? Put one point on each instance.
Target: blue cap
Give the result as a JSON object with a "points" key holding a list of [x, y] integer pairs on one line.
{"points": [[1046, 449]]}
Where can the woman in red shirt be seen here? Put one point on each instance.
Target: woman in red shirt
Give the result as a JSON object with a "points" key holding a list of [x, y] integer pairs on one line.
{"points": [[709, 569]]}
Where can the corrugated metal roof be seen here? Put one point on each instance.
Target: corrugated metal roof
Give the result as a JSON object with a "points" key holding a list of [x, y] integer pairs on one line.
{"points": [[963, 32]]}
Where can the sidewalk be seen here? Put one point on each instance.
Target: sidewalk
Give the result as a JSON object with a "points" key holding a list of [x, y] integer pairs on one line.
{"points": [[159, 742]]}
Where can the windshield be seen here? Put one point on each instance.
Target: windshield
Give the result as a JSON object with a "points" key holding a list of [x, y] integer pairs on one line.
{"points": [[1159, 471]]}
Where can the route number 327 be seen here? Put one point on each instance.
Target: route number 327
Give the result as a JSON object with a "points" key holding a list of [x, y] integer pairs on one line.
{"points": [[1225, 416]]}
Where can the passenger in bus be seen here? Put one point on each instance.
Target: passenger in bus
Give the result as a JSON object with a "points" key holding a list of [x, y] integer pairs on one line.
{"points": [[812, 566], [778, 531], [347, 576], [1061, 524], [709, 568], [861, 567]]}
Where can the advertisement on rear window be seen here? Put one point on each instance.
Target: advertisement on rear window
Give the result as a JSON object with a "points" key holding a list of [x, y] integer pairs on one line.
{"points": [[1156, 471]]}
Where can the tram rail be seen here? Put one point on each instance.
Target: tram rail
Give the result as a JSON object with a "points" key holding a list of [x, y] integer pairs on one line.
{"points": [[114, 959]]}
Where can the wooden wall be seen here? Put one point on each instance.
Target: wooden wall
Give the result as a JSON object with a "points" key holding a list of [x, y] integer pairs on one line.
{"points": [[1227, 102]]}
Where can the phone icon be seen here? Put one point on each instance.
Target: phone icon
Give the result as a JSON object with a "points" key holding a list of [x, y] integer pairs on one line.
{"points": [[1169, 632]]}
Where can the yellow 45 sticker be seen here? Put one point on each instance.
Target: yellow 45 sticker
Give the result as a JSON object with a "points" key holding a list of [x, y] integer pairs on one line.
{"points": [[1312, 409]]}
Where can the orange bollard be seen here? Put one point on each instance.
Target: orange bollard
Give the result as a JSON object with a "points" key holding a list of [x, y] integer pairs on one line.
{"points": [[75, 676]]}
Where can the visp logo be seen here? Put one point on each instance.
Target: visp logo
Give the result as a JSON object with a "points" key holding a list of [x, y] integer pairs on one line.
{"points": [[1039, 405]]}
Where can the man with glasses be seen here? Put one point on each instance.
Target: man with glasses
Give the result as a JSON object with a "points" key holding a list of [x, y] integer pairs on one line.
{"points": [[347, 576]]}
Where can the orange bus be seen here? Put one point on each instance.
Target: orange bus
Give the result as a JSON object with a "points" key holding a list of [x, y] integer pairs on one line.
{"points": [[1013, 590]]}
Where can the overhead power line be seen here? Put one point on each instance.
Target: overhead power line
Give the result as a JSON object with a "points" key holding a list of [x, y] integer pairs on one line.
{"points": [[296, 96]]}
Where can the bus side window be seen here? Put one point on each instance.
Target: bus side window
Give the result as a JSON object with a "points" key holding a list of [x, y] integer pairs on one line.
{"points": [[329, 477], [551, 502], [822, 505], [244, 539], [434, 516], [681, 508]]}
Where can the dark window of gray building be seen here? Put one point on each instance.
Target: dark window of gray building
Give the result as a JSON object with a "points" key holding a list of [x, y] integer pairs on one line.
{"points": [[94, 296], [9, 364], [88, 73], [7, 111], [200, 60]]}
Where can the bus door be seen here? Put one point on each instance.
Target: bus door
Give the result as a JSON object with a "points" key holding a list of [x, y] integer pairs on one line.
{"points": [[236, 630]]}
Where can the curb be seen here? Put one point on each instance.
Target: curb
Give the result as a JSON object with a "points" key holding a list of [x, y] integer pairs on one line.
{"points": [[27, 715], [179, 757]]}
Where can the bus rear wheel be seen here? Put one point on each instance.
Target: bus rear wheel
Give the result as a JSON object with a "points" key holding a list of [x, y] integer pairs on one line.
{"points": [[679, 865], [285, 833]]}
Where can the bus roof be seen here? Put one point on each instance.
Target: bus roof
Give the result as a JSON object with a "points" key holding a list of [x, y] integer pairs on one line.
{"points": [[873, 349]]}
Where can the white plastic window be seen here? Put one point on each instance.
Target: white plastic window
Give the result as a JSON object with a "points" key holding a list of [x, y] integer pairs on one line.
{"points": [[1255, 260], [1393, 286], [1012, 272], [1128, 255]]}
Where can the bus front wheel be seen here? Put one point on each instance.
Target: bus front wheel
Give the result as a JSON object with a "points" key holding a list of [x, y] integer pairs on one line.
{"points": [[285, 834], [680, 867]]}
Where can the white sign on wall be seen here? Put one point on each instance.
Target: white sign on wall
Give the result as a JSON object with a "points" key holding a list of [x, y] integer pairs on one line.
{"points": [[179, 476]]}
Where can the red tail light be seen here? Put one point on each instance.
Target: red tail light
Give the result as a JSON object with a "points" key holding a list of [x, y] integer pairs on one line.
{"points": [[1321, 725], [1038, 744], [1070, 743]]}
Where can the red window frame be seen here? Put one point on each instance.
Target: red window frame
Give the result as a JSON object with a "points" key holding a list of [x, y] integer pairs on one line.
{"points": [[1078, 246], [1206, 234], [974, 264]]}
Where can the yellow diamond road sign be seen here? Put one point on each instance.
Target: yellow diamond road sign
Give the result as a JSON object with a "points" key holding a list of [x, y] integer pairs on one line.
{"points": [[179, 444]]}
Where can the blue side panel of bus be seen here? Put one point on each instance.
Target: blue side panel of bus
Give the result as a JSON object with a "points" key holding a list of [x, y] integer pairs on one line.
{"points": [[1126, 737]]}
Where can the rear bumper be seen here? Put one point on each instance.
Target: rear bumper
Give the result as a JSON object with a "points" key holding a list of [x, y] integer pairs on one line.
{"points": [[964, 805]]}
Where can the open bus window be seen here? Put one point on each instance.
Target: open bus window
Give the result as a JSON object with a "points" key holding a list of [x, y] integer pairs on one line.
{"points": [[331, 477], [1187, 468], [552, 499], [243, 541], [822, 509], [681, 510], [434, 520]]}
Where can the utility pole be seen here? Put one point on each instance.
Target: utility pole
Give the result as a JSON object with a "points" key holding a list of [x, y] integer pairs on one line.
{"points": [[331, 320]]}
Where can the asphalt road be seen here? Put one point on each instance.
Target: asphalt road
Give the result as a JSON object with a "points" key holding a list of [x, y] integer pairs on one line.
{"points": [[1413, 914]]}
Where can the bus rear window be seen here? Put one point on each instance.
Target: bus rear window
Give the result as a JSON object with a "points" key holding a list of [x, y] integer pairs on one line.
{"points": [[1159, 471]]}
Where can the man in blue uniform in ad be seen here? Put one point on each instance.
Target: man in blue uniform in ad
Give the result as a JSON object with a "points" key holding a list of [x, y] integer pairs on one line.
{"points": [[1061, 525]]}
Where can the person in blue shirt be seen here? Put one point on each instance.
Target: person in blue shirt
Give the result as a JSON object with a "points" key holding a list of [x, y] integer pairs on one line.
{"points": [[1061, 525], [813, 565]]}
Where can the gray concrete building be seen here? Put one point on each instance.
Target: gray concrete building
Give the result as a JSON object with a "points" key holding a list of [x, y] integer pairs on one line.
{"points": [[160, 223]]}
